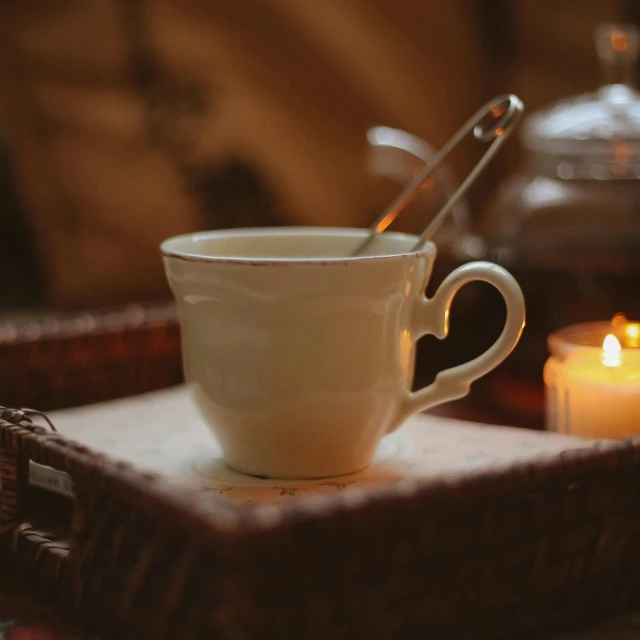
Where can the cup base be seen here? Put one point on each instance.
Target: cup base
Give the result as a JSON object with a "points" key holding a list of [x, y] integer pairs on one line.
{"points": [[215, 467], [297, 476], [323, 476]]}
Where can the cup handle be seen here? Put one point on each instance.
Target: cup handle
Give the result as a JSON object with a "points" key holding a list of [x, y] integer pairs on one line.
{"points": [[432, 317]]}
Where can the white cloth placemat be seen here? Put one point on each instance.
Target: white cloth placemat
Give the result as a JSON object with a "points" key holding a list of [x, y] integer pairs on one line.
{"points": [[163, 432]]}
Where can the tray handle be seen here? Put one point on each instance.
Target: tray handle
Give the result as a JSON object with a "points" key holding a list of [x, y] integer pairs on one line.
{"points": [[18, 445]]}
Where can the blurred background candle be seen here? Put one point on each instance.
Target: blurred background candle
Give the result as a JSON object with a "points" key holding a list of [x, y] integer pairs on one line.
{"points": [[593, 379]]}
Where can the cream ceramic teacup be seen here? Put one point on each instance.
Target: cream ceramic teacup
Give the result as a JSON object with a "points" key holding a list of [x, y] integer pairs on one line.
{"points": [[301, 359]]}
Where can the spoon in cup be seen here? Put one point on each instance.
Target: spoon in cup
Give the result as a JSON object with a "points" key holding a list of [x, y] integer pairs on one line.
{"points": [[494, 122]]}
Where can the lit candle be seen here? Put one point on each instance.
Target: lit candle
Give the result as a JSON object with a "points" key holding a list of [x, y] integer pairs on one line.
{"points": [[593, 380]]}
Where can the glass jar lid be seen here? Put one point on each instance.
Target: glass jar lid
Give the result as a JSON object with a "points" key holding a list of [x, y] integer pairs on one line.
{"points": [[595, 136]]}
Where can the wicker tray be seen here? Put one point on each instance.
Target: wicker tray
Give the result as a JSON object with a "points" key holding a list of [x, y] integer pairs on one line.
{"points": [[64, 361], [550, 543]]}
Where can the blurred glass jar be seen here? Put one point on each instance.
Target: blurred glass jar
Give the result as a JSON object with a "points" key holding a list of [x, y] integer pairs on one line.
{"points": [[568, 227]]}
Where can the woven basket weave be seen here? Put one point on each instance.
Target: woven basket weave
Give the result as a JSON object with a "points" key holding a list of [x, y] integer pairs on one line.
{"points": [[543, 546], [64, 362]]}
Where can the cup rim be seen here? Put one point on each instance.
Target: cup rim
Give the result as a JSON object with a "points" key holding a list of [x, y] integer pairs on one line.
{"points": [[168, 249]]}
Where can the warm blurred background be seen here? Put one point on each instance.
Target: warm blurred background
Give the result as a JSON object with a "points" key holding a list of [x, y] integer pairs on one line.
{"points": [[124, 122]]}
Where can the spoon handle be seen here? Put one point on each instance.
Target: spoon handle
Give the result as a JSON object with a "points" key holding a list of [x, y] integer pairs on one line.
{"points": [[493, 122]]}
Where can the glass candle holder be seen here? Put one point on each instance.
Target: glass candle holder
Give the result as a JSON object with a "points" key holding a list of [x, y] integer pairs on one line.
{"points": [[592, 380]]}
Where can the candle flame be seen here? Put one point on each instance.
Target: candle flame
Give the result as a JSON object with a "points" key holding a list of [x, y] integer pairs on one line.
{"points": [[611, 351], [632, 334]]}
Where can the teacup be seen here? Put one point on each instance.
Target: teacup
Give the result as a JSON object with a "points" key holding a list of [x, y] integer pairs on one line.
{"points": [[300, 358]]}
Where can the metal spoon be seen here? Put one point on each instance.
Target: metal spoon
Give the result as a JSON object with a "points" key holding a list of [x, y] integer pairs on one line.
{"points": [[493, 122]]}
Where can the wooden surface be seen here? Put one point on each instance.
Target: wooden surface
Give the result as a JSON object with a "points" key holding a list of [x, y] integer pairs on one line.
{"points": [[24, 617]]}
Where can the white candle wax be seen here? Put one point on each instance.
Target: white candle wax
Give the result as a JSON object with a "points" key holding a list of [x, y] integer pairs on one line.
{"points": [[594, 391]]}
